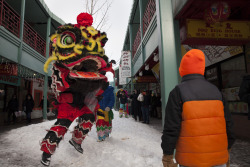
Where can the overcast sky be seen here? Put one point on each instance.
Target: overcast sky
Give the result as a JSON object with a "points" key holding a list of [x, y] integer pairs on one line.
{"points": [[118, 21]]}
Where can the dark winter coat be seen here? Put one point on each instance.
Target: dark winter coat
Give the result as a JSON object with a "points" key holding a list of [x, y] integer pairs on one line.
{"points": [[13, 105], [146, 101], [197, 121], [158, 101], [29, 104], [108, 99], [153, 100], [244, 92], [123, 99]]}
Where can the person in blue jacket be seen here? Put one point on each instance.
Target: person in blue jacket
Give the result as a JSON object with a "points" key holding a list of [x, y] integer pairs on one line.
{"points": [[105, 114]]}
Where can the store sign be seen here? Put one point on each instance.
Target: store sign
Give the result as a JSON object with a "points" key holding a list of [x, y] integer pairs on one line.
{"points": [[146, 79], [212, 74], [215, 54], [126, 64], [226, 29], [122, 80], [8, 69], [10, 80], [156, 71], [198, 32]]}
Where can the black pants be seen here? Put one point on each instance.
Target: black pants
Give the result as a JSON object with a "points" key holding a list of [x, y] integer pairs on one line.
{"points": [[11, 112]]}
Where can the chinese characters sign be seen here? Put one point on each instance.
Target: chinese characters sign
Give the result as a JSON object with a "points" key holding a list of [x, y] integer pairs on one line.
{"points": [[223, 30], [214, 54], [122, 80], [126, 64]]}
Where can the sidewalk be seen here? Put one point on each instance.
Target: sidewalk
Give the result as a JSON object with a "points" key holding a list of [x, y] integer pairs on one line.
{"points": [[240, 151], [22, 123]]}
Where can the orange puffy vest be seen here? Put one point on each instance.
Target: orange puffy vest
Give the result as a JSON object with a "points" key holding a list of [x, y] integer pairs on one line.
{"points": [[203, 138]]}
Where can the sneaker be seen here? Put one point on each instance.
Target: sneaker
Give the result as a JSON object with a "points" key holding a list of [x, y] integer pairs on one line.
{"points": [[45, 159], [77, 146]]}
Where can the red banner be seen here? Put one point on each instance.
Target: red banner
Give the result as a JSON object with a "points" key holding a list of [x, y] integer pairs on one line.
{"points": [[8, 69]]}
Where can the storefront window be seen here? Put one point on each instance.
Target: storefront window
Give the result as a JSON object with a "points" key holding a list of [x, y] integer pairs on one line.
{"points": [[232, 72]]}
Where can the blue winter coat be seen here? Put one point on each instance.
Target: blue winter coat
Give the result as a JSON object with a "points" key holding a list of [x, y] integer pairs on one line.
{"points": [[108, 99]]}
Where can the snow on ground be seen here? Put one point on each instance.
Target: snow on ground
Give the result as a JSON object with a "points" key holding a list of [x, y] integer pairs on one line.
{"points": [[132, 144]]}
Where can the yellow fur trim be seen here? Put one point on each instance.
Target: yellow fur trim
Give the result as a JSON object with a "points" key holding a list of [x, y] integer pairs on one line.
{"points": [[77, 47], [93, 43], [53, 36], [92, 30], [46, 65], [66, 57]]}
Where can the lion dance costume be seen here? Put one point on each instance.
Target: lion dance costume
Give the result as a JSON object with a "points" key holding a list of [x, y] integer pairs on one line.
{"points": [[104, 121], [78, 80]]}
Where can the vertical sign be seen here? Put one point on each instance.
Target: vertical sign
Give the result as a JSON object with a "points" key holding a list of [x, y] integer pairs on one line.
{"points": [[122, 80], [126, 64]]}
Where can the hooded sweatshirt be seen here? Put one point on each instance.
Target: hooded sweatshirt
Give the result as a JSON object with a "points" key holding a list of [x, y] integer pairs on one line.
{"points": [[196, 122]]}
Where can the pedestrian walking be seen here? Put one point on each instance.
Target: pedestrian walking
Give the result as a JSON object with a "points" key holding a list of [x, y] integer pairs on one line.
{"points": [[12, 108], [153, 110], [158, 106], [123, 100], [198, 123], [145, 107], [105, 114], [135, 105], [28, 106]]}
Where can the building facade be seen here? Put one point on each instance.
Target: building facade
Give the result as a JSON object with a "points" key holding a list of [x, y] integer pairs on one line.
{"points": [[25, 27], [160, 32]]}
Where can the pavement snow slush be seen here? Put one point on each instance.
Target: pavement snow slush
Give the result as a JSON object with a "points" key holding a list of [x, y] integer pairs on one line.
{"points": [[131, 144]]}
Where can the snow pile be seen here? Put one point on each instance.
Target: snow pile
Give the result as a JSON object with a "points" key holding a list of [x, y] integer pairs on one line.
{"points": [[131, 144]]}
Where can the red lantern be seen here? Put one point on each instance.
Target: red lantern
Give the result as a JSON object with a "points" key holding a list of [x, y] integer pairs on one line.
{"points": [[217, 12]]}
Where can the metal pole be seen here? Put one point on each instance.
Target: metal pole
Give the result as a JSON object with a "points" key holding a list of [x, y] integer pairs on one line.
{"points": [[131, 51], [1, 14], [167, 50], [45, 87], [19, 56], [177, 45], [141, 27]]}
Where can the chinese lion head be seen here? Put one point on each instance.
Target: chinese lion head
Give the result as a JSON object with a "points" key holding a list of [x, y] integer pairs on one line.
{"points": [[80, 61]]}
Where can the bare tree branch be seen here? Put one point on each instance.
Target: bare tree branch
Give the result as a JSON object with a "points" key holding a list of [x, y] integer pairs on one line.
{"points": [[100, 9], [105, 13]]}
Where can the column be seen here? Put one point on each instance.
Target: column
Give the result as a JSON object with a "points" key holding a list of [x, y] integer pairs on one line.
{"points": [[131, 51], [45, 87], [141, 27], [19, 56], [167, 50]]}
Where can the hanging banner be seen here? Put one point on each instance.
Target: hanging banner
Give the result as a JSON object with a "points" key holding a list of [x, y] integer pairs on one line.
{"points": [[126, 64], [122, 80], [8, 69], [215, 54], [156, 71]]}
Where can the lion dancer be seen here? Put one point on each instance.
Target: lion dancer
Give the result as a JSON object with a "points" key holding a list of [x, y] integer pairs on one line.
{"points": [[78, 80], [105, 114]]}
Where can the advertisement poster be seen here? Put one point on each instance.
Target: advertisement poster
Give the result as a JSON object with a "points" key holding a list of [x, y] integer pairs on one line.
{"points": [[122, 80], [156, 71], [215, 54], [126, 64]]}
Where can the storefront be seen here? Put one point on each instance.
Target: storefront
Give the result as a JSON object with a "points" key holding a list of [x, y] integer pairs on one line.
{"points": [[221, 29], [225, 68], [19, 80]]}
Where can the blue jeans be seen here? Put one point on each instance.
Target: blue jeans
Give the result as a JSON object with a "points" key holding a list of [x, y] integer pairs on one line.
{"points": [[28, 116], [145, 113], [123, 106]]}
